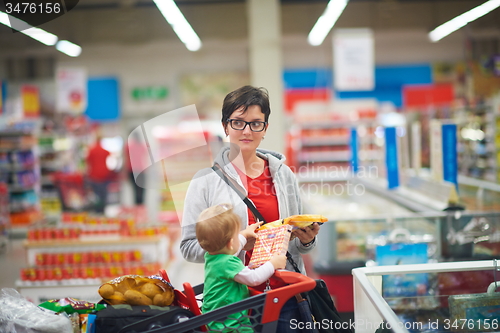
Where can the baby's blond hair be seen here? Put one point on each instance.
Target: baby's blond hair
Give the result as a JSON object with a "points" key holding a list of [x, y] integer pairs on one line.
{"points": [[216, 227]]}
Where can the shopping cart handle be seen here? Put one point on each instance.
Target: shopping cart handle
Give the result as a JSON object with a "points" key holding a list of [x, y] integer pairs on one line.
{"points": [[292, 277], [297, 283]]}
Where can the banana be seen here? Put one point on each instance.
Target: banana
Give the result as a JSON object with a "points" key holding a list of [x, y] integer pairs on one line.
{"points": [[299, 221], [269, 225], [302, 221]]}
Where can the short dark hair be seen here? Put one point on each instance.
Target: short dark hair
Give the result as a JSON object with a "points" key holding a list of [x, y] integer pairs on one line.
{"points": [[245, 97]]}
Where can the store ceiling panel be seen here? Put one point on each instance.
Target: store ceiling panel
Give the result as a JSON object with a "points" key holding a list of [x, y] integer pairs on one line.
{"points": [[134, 22]]}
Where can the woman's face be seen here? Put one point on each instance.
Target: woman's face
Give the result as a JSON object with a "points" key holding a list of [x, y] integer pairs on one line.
{"points": [[247, 140]]}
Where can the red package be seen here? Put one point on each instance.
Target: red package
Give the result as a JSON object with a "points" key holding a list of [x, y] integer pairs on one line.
{"points": [[270, 242]]}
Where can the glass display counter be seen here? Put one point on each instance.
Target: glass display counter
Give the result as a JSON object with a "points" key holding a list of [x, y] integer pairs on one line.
{"points": [[450, 236], [452, 297], [417, 238]]}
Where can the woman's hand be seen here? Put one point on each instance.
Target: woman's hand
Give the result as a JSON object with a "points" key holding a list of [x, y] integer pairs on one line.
{"points": [[250, 235], [307, 234]]}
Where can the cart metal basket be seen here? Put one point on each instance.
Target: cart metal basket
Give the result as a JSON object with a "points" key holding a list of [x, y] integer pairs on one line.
{"points": [[264, 309]]}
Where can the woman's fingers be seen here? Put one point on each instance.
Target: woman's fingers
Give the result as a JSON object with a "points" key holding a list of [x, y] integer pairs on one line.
{"points": [[307, 234]]}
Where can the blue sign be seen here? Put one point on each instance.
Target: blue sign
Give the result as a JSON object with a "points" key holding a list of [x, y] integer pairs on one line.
{"points": [[354, 150], [103, 99], [450, 164], [391, 157]]}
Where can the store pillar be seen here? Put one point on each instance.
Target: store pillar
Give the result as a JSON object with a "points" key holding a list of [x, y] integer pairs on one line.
{"points": [[266, 64]]}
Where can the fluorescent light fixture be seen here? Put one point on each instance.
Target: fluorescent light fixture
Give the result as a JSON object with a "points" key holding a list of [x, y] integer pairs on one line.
{"points": [[461, 20], [41, 35], [181, 26], [38, 34], [68, 48], [326, 21]]}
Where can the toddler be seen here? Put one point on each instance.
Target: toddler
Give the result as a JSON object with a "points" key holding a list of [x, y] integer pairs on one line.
{"points": [[226, 277]]}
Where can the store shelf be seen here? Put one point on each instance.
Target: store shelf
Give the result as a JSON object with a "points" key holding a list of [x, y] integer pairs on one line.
{"points": [[86, 289], [327, 141], [321, 156], [82, 243], [19, 188], [16, 167], [16, 149]]}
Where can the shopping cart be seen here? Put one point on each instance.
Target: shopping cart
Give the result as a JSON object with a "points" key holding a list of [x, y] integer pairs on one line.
{"points": [[72, 190], [76, 194], [264, 308]]}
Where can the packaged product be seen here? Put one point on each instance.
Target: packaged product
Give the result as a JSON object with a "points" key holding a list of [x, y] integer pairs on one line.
{"points": [[270, 242]]}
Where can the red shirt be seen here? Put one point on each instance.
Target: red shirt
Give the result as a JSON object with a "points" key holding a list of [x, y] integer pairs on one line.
{"points": [[262, 193], [97, 170]]}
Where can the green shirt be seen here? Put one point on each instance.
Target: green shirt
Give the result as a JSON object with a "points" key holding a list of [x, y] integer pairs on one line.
{"points": [[220, 290]]}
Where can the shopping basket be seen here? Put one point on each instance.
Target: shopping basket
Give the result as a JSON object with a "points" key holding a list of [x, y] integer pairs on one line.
{"points": [[264, 308]]}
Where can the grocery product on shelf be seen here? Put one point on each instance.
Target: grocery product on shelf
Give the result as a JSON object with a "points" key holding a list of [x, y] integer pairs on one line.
{"points": [[20, 171]]}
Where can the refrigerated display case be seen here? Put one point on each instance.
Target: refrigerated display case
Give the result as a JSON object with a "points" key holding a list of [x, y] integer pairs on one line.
{"points": [[345, 244], [457, 296]]}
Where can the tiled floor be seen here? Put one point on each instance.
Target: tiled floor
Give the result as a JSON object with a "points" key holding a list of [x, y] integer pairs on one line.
{"points": [[12, 259]]}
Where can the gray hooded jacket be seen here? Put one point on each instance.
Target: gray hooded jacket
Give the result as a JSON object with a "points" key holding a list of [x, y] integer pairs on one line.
{"points": [[208, 189]]}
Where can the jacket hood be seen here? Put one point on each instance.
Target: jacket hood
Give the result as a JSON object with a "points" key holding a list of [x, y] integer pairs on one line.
{"points": [[222, 157], [275, 159]]}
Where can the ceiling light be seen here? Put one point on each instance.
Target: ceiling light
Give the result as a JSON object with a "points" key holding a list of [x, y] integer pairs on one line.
{"points": [[181, 26], [38, 34], [326, 22], [41, 35], [461, 20], [68, 48]]}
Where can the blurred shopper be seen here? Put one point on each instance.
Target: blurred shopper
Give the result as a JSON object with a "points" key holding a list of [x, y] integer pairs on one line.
{"points": [[98, 174], [269, 183]]}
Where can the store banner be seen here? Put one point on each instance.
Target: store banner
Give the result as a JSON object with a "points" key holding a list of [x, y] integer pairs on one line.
{"points": [[71, 90], [354, 60], [30, 99], [436, 147], [450, 163], [1, 98], [416, 146], [391, 157], [354, 150]]}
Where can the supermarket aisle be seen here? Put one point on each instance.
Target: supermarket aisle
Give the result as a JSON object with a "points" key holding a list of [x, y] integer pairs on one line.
{"points": [[14, 258]]}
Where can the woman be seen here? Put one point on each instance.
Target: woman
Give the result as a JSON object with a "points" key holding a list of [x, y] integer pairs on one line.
{"points": [[269, 183]]}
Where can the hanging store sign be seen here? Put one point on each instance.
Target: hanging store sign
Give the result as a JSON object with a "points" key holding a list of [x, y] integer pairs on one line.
{"points": [[149, 93], [71, 85], [450, 164], [416, 147], [354, 150], [354, 61], [436, 148], [391, 157], [30, 99]]}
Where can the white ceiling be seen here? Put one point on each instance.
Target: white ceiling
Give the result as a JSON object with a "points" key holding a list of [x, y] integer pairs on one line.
{"points": [[134, 22]]}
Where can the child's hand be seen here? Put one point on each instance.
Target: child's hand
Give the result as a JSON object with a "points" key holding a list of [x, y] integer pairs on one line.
{"points": [[279, 262], [250, 235]]}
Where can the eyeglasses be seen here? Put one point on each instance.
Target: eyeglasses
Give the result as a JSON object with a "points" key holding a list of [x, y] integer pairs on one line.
{"points": [[240, 125]]}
